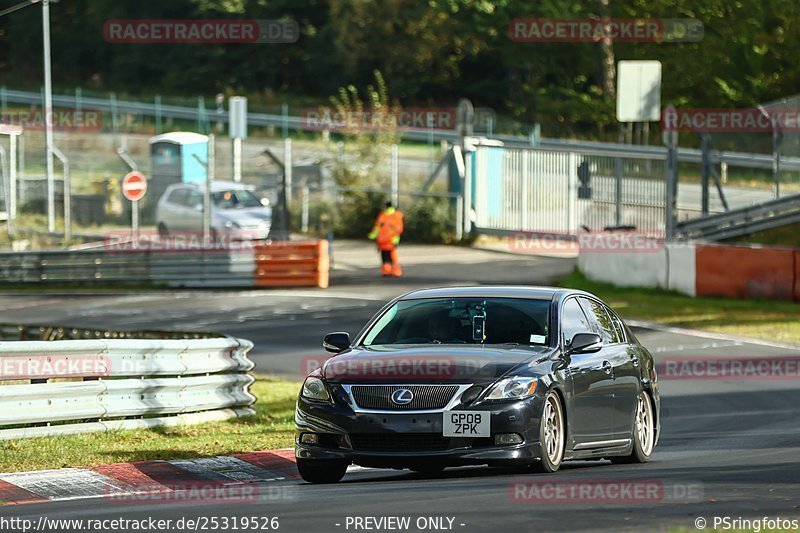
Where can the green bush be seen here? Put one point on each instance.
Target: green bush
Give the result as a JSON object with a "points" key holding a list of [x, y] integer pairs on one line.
{"points": [[429, 220]]}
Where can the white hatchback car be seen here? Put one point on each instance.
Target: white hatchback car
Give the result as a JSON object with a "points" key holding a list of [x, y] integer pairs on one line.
{"points": [[235, 210]]}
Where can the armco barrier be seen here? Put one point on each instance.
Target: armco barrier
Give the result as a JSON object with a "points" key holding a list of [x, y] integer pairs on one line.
{"points": [[702, 270], [292, 264], [113, 384], [300, 264], [745, 272]]}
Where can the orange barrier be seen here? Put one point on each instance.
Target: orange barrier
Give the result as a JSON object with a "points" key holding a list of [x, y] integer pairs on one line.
{"points": [[292, 264], [746, 272]]}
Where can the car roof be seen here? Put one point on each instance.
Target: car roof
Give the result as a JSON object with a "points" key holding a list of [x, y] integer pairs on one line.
{"points": [[216, 186], [492, 291]]}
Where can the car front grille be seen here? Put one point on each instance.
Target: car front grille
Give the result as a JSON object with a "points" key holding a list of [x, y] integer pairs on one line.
{"points": [[426, 397], [399, 442]]}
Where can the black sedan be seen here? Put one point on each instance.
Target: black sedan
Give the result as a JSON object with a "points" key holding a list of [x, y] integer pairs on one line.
{"points": [[502, 376]]}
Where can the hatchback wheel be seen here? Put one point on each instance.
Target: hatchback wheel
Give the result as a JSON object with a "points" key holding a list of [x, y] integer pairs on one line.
{"points": [[551, 435], [322, 470]]}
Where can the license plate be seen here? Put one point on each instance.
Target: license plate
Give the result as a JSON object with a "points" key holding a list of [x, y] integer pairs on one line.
{"points": [[467, 424]]}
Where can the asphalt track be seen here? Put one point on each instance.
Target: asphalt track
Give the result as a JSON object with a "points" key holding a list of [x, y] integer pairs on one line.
{"points": [[729, 448]]}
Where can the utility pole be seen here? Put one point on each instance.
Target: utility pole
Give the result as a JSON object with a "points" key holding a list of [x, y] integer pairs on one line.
{"points": [[48, 119]]}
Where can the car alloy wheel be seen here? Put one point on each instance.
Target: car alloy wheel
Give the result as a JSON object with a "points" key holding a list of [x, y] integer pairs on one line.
{"points": [[551, 432]]}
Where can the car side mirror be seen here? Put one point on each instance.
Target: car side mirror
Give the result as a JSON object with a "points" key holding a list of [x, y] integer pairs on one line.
{"points": [[336, 342], [265, 202], [585, 343]]}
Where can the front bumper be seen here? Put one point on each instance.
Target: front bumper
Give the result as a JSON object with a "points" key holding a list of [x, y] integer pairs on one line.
{"points": [[333, 421]]}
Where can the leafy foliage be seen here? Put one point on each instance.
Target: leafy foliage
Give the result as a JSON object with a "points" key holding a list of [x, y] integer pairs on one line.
{"points": [[431, 53]]}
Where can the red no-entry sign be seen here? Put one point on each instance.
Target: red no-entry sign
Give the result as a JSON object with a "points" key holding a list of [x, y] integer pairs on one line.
{"points": [[134, 186]]}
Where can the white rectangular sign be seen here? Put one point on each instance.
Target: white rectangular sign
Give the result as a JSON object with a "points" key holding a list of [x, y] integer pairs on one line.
{"points": [[237, 117], [639, 91]]}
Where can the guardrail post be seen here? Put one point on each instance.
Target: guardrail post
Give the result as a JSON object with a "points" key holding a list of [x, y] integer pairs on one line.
{"points": [[618, 191], [304, 217], [395, 175], [287, 168], [671, 193]]}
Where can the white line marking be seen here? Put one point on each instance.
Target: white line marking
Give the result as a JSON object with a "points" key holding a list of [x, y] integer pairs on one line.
{"points": [[709, 334]]}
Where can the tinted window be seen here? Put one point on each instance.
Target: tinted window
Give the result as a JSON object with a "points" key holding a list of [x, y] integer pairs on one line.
{"points": [[238, 199], [454, 321], [194, 199], [178, 196], [617, 324], [600, 320], [573, 320]]}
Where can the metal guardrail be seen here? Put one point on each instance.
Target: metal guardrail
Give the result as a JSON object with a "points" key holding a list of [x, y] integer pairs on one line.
{"points": [[287, 265], [687, 155], [28, 332], [78, 386], [195, 268], [742, 221]]}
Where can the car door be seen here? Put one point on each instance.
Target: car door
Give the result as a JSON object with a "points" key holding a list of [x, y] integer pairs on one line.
{"points": [[194, 210], [170, 207], [592, 402], [625, 375]]}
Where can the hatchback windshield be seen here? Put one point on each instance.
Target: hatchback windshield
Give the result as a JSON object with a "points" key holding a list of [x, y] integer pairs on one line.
{"points": [[462, 321], [237, 199]]}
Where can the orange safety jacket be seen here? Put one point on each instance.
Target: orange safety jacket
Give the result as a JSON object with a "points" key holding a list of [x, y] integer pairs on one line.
{"points": [[388, 227]]}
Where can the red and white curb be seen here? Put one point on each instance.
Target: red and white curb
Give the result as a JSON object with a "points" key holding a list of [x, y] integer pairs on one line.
{"points": [[114, 482]]}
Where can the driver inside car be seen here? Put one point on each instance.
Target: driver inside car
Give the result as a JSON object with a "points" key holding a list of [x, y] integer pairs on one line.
{"points": [[442, 329]]}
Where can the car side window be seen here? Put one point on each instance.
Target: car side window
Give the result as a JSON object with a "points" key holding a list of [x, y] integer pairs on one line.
{"points": [[600, 320], [573, 320], [617, 324], [194, 199], [178, 196]]}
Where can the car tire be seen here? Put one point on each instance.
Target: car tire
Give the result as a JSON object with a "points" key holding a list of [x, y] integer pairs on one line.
{"points": [[322, 470], [163, 232], [643, 432], [552, 435]]}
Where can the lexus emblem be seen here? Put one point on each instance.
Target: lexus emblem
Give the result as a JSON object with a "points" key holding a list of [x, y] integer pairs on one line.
{"points": [[402, 397]]}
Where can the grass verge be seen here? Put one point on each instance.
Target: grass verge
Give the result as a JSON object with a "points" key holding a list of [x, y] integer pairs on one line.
{"points": [[271, 427], [762, 319]]}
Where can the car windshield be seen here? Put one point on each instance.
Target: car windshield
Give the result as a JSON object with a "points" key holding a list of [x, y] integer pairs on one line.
{"points": [[236, 199], [462, 321]]}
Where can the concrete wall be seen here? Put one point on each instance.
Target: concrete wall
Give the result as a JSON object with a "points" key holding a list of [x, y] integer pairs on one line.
{"points": [[701, 270]]}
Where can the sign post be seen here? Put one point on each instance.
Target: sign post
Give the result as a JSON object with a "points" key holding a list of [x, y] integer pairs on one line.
{"points": [[134, 187], [237, 130]]}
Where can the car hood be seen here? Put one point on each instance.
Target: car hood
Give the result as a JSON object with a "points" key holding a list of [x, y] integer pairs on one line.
{"points": [[476, 364]]}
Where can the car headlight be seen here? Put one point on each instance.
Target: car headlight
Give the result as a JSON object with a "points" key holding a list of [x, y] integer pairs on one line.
{"points": [[231, 225], [315, 389], [512, 389]]}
